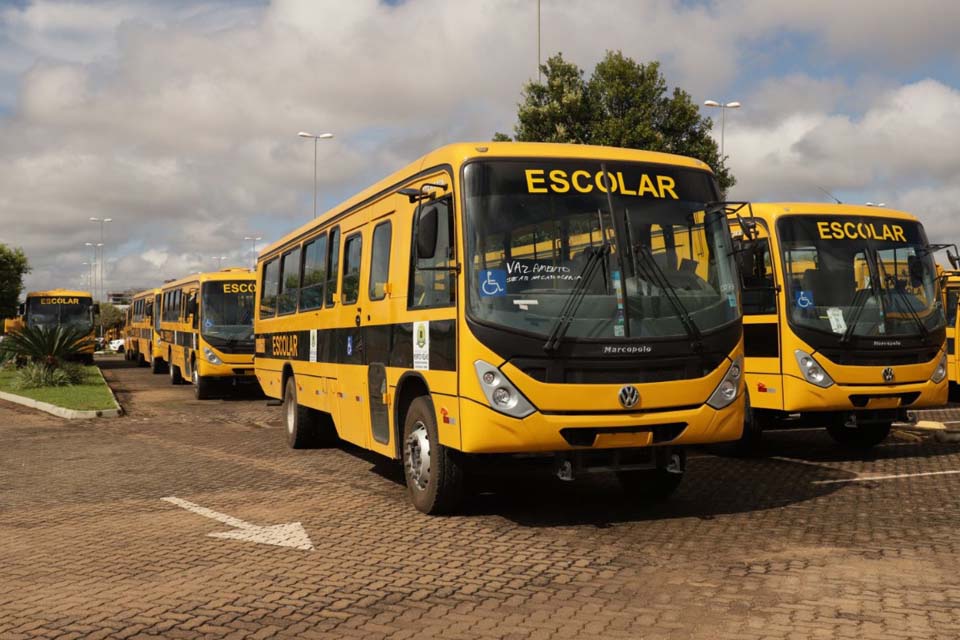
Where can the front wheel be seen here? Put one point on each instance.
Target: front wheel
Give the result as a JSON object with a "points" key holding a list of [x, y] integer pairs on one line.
{"points": [[157, 366], [174, 371], [655, 485], [433, 473], [861, 436], [202, 386]]}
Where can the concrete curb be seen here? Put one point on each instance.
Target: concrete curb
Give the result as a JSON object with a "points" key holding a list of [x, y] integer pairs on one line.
{"points": [[69, 414]]}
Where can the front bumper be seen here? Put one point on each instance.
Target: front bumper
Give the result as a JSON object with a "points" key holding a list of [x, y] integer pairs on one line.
{"points": [[484, 430], [801, 396]]}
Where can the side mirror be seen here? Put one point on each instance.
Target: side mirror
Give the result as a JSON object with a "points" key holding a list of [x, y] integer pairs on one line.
{"points": [[22, 309], [96, 309], [427, 228], [954, 260]]}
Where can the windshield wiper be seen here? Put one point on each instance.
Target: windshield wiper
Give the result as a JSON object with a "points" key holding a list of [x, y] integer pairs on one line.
{"points": [[596, 259], [859, 304], [653, 273]]}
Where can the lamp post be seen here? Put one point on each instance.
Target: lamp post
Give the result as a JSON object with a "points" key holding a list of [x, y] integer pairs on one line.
{"points": [[101, 221], [253, 239], [94, 266], [723, 106], [322, 136]]}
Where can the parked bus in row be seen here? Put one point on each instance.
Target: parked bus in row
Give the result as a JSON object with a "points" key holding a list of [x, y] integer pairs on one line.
{"points": [[843, 319], [572, 303], [143, 331], [59, 308], [206, 329], [950, 288]]}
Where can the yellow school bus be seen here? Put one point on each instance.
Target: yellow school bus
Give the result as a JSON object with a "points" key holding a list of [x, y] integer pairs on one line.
{"points": [[843, 320], [59, 307], [950, 288], [567, 302], [144, 331], [206, 329]]}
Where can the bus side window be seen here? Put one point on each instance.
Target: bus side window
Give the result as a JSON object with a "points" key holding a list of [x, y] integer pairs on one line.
{"points": [[332, 268], [314, 273], [289, 282], [953, 299], [756, 269], [268, 293], [351, 268], [432, 279], [380, 260]]}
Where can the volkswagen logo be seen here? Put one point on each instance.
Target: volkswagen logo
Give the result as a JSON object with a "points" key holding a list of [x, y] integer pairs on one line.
{"points": [[628, 396], [888, 374]]}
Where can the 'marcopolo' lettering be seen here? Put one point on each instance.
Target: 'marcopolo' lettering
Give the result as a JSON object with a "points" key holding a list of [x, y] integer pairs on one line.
{"points": [[558, 181]]}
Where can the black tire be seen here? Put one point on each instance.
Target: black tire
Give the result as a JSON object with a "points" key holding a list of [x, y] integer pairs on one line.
{"points": [[655, 485], [299, 420], [202, 385], [158, 366], [863, 436], [174, 371], [141, 361], [435, 482], [749, 442]]}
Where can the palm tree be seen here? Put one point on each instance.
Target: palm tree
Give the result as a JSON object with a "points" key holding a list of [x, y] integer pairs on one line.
{"points": [[49, 346]]}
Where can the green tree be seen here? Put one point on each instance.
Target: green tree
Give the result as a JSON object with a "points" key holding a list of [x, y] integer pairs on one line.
{"points": [[13, 266], [110, 316], [623, 104]]}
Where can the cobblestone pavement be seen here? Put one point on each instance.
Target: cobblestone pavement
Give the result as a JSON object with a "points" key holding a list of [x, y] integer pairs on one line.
{"points": [[796, 543]]}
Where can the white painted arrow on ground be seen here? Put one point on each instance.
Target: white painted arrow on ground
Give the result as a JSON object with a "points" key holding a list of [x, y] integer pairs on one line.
{"points": [[291, 534]]}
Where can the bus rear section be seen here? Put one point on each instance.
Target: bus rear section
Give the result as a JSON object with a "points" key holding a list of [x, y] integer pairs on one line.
{"points": [[207, 330], [950, 284], [511, 303], [142, 335], [63, 308], [843, 321]]}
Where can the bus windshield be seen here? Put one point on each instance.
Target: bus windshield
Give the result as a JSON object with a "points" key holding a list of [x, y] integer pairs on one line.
{"points": [[227, 314], [859, 276], [60, 311], [541, 232]]}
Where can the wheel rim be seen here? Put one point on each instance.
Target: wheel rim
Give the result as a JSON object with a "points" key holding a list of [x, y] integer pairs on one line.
{"points": [[291, 412], [195, 376], [417, 458]]}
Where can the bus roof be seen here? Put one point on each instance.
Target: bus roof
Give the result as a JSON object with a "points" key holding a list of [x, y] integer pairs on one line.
{"points": [[770, 211], [227, 273], [146, 293], [62, 293], [457, 153]]}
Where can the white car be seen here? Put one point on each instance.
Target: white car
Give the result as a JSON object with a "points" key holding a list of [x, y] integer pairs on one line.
{"points": [[117, 345]]}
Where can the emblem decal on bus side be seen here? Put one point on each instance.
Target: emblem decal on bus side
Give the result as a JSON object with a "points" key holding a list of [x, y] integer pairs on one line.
{"points": [[421, 345]]}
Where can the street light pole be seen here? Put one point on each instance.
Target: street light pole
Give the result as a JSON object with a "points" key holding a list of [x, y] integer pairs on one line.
{"points": [[723, 106], [94, 266], [254, 240], [101, 221], [322, 136]]}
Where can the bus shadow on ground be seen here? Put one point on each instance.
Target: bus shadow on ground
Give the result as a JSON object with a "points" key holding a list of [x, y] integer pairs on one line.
{"points": [[713, 486]]}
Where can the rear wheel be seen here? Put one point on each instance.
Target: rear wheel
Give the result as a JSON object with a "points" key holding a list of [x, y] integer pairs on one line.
{"points": [[657, 484], [861, 436], [433, 473], [174, 371], [305, 427], [158, 366]]}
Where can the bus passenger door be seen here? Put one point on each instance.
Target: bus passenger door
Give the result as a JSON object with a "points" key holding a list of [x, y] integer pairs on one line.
{"points": [[761, 326], [352, 396], [378, 331], [953, 299]]}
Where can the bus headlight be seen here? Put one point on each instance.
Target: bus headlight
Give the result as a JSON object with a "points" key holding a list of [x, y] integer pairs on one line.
{"points": [[211, 357], [811, 369], [500, 392], [726, 392], [941, 371]]}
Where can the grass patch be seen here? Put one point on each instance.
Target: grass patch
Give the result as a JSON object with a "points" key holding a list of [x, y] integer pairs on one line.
{"points": [[93, 394]]}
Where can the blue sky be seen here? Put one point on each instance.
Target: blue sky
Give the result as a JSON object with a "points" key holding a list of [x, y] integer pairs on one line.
{"points": [[178, 119]]}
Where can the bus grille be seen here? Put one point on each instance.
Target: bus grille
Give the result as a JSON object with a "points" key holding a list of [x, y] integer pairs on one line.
{"points": [[880, 358], [624, 371]]}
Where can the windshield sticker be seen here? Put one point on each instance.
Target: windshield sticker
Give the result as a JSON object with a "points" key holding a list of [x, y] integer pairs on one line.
{"points": [[837, 324], [525, 304], [349, 345], [313, 345], [732, 300], [421, 345], [860, 230], [208, 323], [803, 299], [494, 283]]}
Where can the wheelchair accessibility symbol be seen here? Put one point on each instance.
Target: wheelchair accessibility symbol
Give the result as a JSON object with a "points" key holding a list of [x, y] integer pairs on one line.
{"points": [[803, 299], [494, 283]]}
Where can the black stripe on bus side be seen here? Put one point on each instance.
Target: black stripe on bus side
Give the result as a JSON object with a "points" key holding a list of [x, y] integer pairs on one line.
{"points": [[391, 344]]}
